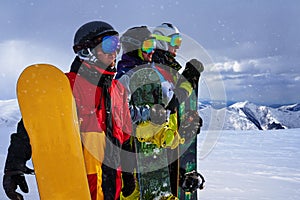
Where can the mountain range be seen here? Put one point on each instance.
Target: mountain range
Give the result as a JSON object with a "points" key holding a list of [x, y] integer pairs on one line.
{"points": [[249, 116], [237, 116]]}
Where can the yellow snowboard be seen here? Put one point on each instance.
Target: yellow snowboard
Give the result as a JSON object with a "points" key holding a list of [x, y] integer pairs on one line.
{"points": [[49, 114]]}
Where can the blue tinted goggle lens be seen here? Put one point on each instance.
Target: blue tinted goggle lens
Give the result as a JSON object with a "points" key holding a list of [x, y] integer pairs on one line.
{"points": [[110, 44]]}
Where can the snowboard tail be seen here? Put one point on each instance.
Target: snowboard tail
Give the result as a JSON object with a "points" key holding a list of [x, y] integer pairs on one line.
{"points": [[50, 118], [154, 180]]}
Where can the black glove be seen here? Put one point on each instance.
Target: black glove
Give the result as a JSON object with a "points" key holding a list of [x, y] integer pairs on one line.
{"points": [[190, 125], [191, 181], [173, 104], [128, 164], [192, 72], [13, 179], [129, 183]]}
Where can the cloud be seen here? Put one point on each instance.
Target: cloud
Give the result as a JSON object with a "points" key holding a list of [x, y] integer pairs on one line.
{"points": [[228, 66], [297, 78], [274, 65], [261, 80], [15, 55]]}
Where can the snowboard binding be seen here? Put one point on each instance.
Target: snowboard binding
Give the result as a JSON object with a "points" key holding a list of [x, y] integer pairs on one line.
{"points": [[191, 181]]}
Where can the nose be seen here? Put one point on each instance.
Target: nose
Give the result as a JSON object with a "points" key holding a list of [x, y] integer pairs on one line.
{"points": [[113, 54]]}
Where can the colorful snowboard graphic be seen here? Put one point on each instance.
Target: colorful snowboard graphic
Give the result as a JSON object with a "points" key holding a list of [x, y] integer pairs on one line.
{"points": [[152, 159], [188, 151]]}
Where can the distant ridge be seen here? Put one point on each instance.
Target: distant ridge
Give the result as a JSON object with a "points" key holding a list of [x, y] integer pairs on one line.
{"points": [[238, 116], [249, 116]]}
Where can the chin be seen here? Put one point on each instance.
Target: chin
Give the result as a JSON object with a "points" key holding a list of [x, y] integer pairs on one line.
{"points": [[113, 63]]}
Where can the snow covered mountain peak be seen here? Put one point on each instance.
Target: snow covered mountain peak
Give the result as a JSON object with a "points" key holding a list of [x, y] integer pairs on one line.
{"points": [[293, 107], [238, 116], [249, 116], [240, 104]]}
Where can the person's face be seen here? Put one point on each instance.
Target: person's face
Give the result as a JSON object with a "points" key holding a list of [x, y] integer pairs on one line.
{"points": [[147, 56], [147, 49], [109, 59], [107, 50], [173, 50], [174, 44]]}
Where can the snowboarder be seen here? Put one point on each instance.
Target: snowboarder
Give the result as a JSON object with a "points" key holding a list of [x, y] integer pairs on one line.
{"points": [[102, 111], [152, 104], [168, 42]]}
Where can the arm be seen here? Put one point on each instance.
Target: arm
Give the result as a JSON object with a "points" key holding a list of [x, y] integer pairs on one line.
{"points": [[187, 82], [192, 72], [19, 152], [128, 156]]}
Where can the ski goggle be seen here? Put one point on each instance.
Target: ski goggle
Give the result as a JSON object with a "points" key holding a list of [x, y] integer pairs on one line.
{"points": [[149, 45], [173, 40], [109, 44]]}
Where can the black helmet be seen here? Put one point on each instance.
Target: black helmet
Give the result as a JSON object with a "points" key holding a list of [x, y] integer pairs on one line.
{"points": [[86, 33], [134, 37]]}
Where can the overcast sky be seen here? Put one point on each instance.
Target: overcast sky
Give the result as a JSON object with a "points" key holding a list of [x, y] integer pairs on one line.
{"points": [[254, 45]]}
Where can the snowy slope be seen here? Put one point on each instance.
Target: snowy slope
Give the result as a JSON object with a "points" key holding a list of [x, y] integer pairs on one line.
{"points": [[238, 165], [241, 165], [252, 164]]}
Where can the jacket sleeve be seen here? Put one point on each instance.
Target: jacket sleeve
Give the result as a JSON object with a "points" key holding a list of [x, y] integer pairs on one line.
{"points": [[19, 150]]}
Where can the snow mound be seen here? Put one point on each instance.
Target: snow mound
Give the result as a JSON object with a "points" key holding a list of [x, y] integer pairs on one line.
{"points": [[9, 113]]}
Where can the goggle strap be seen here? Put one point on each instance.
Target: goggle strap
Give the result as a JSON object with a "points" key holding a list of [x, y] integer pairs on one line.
{"points": [[131, 40], [162, 37]]}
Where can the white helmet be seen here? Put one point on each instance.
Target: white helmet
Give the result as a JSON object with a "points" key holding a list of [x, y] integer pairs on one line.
{"points": [[165, 29]]}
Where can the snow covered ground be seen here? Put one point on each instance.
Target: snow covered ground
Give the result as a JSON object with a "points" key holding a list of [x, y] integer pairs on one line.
{"points": [[252, 164], [242, 165]]}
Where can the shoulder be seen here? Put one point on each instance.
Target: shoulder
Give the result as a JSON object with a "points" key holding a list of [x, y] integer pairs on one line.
{"points": [[70, 74], [117, 84], [123, 69], [74, 77]]}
